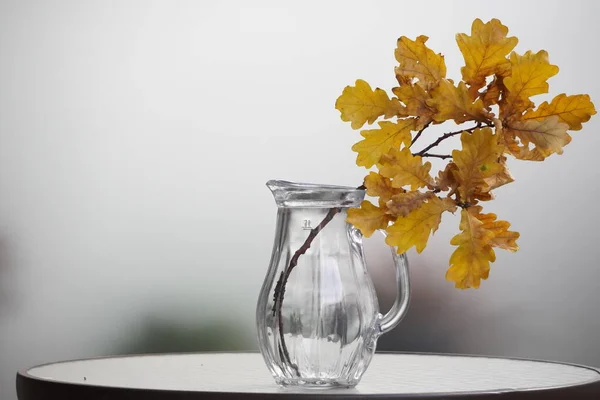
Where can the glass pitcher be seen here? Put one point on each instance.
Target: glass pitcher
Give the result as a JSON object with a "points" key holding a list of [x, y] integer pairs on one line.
{"points": [[317, 316]]}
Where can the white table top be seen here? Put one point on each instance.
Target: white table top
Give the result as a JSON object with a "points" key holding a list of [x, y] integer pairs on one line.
{"points": [[245, 373]]}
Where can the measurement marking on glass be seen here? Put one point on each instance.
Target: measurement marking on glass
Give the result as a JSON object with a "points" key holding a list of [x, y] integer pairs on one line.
{"points": [[306, 225]]}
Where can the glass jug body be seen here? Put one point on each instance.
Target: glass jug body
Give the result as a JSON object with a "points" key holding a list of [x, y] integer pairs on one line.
{"points": [[318, 317]]}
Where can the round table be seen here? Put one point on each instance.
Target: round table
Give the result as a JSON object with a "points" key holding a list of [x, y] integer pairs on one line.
{"points": [[244, 376]]}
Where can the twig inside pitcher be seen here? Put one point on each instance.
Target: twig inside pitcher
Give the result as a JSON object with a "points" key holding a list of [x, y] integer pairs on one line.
{"points": [[279, 292], [283, 279]]}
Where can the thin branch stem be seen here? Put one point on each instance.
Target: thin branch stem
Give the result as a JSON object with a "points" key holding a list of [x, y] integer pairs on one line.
{"points": [[446, 136], [442, 156], [463, 204], [419, 134], [283, 278]]}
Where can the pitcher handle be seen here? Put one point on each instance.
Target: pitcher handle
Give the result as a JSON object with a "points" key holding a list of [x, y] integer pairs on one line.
{"points": [[400, 306]]}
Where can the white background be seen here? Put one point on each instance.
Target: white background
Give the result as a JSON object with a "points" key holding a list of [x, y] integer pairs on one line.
{"points": [[136, 137]]}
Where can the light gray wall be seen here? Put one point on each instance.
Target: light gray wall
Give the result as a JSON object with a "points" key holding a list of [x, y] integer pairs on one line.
{"points": [[136, 137]]}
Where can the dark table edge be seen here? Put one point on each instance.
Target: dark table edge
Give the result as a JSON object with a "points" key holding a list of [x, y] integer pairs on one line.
{"points": [[30, 387]]}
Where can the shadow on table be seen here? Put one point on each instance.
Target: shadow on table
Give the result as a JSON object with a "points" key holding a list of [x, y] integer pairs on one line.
{"points": [[161, 335]]}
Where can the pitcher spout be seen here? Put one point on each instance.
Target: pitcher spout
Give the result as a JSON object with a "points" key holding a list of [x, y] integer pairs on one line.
{"points": [[310, 195]]}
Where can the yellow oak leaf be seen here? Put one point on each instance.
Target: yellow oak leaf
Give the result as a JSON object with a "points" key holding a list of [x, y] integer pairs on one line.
{"points": [[483, 194], [527, 154], [380, 186], [359, 104], [491, 95], [477, 160], [571, 110], [500, 178], [403, 204], [368, 218], [405, 169], [470, 262], [414, 97], [376, 142], [503, 238], [522, 152], [452, 102], [446, 180], [416, 60], [549, 135], [416, 227], [528, 76], [485, 51]]}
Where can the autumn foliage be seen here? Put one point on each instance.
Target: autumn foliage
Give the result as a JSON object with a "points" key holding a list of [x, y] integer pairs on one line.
{"points": [[494, 98]]}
